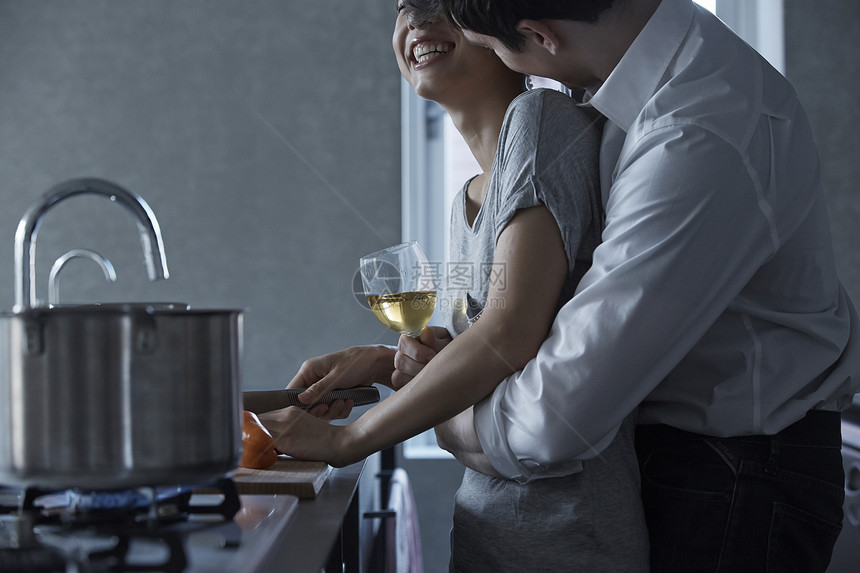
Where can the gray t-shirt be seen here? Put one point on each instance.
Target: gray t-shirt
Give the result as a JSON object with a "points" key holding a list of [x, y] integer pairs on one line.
{"points": [[547, 155], [591, 520]]}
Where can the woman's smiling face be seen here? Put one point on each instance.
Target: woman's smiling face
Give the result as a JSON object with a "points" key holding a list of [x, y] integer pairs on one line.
{"points": [[435, 58]]}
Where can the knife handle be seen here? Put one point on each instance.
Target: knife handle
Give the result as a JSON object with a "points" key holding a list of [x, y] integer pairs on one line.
{"points": [[267, 400], [360, 396]]}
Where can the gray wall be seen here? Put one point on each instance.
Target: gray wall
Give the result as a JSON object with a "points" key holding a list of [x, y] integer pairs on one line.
{"points": [[265, 136], [267, 141], [822, 62]]}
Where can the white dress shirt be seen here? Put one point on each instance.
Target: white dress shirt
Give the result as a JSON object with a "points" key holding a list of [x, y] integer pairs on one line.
{"points": [[713, 302]]}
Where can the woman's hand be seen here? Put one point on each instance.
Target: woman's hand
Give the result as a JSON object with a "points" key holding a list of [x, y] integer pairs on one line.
{"points": [[354, 366], [305, 437], [413, 354], [458, 436]]}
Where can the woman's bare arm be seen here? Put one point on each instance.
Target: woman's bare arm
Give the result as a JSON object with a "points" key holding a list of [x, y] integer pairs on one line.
{"points": [[512, 327]]}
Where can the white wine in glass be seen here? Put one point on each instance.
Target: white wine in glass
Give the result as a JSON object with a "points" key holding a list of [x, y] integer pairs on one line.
{"points": [[400, 287]]}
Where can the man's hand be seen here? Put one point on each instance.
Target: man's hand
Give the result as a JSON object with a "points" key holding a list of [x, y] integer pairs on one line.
{"points": [[346, 368], [413, 354], [458, 436]]}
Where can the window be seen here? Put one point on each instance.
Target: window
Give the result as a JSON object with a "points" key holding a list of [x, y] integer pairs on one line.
{"points": [[437, 162], [759, 22], [709, 4]]}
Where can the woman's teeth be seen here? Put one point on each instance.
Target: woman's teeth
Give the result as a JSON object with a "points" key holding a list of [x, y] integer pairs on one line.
{"points": [[426, 50]]}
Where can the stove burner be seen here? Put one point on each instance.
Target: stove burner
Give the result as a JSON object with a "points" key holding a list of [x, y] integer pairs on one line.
{"points": [[148, 504], [128, 530]]}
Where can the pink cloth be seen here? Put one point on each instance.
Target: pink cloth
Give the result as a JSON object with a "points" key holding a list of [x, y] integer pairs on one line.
{"points": [[404, 535]]}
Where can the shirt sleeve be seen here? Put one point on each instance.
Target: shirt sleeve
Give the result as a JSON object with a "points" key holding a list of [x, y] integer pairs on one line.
{"points": [[548, 155], [686, 228]]}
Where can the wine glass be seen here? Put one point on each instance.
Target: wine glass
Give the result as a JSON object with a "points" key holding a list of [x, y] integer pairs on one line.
{"points": [[400, 287]]}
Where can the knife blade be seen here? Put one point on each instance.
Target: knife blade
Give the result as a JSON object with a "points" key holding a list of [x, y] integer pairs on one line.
{"points": [[259, 401]]}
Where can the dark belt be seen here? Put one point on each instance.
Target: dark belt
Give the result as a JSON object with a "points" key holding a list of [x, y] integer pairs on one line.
{"points": [[818, 428]]}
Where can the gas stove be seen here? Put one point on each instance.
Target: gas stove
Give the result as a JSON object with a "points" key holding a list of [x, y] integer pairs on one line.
{"points": [[167, 529]]}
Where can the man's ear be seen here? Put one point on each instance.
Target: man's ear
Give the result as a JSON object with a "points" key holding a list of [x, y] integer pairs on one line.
{"points": [[541, 33]]}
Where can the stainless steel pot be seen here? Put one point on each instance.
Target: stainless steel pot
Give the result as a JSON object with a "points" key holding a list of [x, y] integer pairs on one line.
{"points": [[119, 396]]}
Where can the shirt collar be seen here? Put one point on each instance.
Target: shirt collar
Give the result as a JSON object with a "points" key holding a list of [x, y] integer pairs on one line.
{"points": [[642, 68]]}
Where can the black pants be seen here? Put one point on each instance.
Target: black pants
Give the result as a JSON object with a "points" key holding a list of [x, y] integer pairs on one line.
{"points": [[746, 504]]}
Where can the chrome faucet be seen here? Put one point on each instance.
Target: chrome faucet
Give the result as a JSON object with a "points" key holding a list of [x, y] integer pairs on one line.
{"points": [[25, 236]]}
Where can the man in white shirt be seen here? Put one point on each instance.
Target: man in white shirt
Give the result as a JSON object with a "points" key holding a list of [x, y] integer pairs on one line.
{"points": [[712, 304]]}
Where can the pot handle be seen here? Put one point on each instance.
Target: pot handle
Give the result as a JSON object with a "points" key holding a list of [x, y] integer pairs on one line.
{"points": [[34, 341], [144, 332]]}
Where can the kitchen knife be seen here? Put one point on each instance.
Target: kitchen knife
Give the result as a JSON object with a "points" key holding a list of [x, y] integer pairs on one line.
{"points": [[259, 401]]}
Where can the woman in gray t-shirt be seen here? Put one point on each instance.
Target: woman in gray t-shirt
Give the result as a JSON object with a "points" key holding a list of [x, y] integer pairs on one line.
{"points": [[523, 231], [587, 521]]}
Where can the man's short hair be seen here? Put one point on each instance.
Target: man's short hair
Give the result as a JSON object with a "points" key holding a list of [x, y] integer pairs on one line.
{"points": [[499, 18]]}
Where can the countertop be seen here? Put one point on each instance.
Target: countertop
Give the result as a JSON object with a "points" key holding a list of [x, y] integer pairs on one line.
{"points": [[271, 532], [314, 528], [280, 532]]}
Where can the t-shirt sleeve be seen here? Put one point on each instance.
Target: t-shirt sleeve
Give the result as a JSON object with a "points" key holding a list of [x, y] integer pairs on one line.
{"points": [[548, 155]]}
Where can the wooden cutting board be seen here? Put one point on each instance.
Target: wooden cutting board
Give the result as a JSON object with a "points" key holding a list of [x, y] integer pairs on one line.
{"points": [[301, 479]]}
